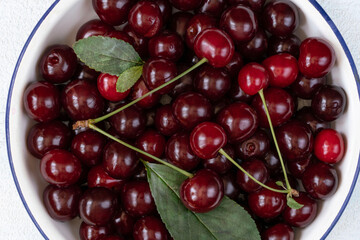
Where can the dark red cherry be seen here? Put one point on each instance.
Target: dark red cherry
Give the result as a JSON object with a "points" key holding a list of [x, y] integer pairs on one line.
{"points": [[82, 100], [279, 103], [234, 66], [252, 78], [140, 89], [165, 9], [329, 146], [90, 232], [265, 203], [140, 43], [255, 5], [272, 162], [191, 109], [85, 72], [129, 123], [295, 140], [60, 167], [329, 103], [119, 161], [279, 231], [42, 101], [145, 18], [157, 72], [231, 189], [184, 84], [304, 216], [62, 204], [150, 228], [58, 63], [97, 206], [203, 192], [121, 35], [214, 45], [256, 47], [317, 57], [123, 223], [179, 22], [306, 88], [212, 7], [165, 121], [98, 177], [255, 146], [179, 153], [298, 167], [166, 45], [44, 137], [112, 12], [93, 27], [136, 198], [151, 142], [106, 85], [255, 168], [239, 121], [219, 163], [240, 23], [290, 44], [212, 82], [196, 25], [282, 69], [280, 18], [305, 115], [186, 5], [206, 139]]}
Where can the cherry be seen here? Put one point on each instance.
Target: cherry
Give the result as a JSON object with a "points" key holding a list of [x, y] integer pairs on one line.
{"points": [[235, 64], [317, 57], [44, 137], [82, 100], [97, 206], [93, 28], [279, 231], [255, 5], [123, 223], [239, 121], [305, 115], [166, 45], [219, 163], [121, 35], [301, 217], [140, 89], [231, 189], [290, 44], [165, 9], [179, 22], [191, 109], [252, 78], [298, 167], [42, 101], [203, 192], [184, 84], [212, 82], [196, 25], [60, 167], [280, 105], [85, 72], [272, 162], [58, 63], [145, 18], [157, 72], [165, 121], [214, 45], [207, 139], [90, 232], [98, 177], [255, 146], [240, 22], [140, 43], [280, 18], [329, 146], [295, 140], [282, 69], [186, 5], [136, 198], [255, 168], [151, 142], [106, 84], [306, 88], [119, 161], [179, 153], [150, 227], [112, 12], [320, 180], [265, 203], [62, 204], [256, 47], [329, 103], [212, 7]]}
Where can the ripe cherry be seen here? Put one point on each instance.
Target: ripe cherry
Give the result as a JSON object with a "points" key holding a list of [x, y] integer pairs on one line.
{"points": [[166, 45], [196, 25], [329, 146], [252, 78], [150, 227], [165, 121], [255, 5], [179, 21], [140, 89], [290, 44], [112, 12], [220, 164], [255, 146], [203, 192], [306, 88], [186, 5], [165, 8], [151, 142], [98, 177], [91, 232], [93, 28], [212, 7], [255, 168], [256, 47], [272, 162], [298, 167], [123, 223], [279, 231], [140, 43], [305, 115]]}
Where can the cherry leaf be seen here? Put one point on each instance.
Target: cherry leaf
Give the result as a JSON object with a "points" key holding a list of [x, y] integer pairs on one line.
{"points": [[293, 204], [128, 78]]}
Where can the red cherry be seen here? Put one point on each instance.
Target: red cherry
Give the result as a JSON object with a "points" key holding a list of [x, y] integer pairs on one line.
{"points": [[113, 12], [121, 35], [186, 5], [98, 177], [106, 84], [207, 139], [329, 146], [252, 78], [196, 25], [93, 28], [151, 142], [140, 89], [214, 45], [279, 231]]}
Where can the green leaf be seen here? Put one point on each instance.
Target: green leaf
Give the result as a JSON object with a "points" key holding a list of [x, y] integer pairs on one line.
{"points": [[292, 203], [128, 78], [107, 55], [228, 221]]}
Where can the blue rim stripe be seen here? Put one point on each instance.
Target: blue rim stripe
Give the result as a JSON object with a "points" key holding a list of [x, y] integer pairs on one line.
{"points": [[313, 2]]}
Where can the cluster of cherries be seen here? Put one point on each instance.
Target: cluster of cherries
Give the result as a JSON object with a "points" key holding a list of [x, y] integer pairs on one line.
{"points": [[198, 124]]}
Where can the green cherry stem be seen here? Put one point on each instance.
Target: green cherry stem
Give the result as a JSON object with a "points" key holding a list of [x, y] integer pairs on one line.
{"points": [[261, 93], [221, 151], [92, 126]]}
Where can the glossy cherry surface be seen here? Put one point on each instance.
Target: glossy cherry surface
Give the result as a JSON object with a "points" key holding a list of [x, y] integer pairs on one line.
{"points": [[212, 7], [165, 121], [60, 167], [255, 146], [123, 223], [329, 146], [305, 115], [93, 27], [306, 88], [98, 177], [298, 167], [42, 101], [166, 45], [279, 231], [112, 12], [165, 9], [239, 121], [140, 89], [256, 47], [219, 163], [197, 24], [255, 5], [252, 78], [272, 162], [97, 206], [179, 21], [151, 142], [106, 85], [290, 44], [255, 168], [90, 232], [140, 43], [186, 5], [150, 228], [203, 192]]}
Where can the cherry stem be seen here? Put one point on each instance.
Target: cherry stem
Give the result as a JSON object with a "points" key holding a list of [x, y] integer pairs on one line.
{"points": [[261, 93], [92, 126], [221, 151]]}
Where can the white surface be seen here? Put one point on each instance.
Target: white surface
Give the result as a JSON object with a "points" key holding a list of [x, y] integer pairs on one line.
{"points": [[17, 18]]}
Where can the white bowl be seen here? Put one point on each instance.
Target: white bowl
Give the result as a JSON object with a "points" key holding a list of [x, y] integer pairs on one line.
{"points": [[60, 24]]}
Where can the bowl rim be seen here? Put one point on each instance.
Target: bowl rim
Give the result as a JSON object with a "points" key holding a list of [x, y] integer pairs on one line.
{"points": [[316, 5]]}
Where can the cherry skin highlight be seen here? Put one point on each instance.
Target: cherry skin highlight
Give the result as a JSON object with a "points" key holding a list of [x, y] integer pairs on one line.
{"points": [[252, 78]]}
